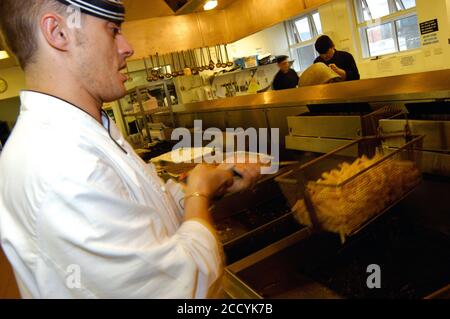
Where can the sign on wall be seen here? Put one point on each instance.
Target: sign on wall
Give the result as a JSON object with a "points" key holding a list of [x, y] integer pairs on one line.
{"points": [[429, 31], [429, 26]]}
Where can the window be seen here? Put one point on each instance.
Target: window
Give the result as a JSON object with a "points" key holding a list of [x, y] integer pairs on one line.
{"points": [[302, 33], [387, 26]]}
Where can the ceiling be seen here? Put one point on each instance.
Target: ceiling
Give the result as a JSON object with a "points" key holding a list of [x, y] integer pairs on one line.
{"points": [[137, 10], [144, 9]]}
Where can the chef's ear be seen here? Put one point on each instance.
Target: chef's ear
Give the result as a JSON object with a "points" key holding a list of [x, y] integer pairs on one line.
{"points": [[55, 31]]}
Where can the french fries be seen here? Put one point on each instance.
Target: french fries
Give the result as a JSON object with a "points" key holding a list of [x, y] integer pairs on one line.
{"points": [[343, 204]]}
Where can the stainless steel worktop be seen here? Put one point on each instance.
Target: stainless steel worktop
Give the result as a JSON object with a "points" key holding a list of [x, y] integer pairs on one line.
{"points": [[417, 86]]}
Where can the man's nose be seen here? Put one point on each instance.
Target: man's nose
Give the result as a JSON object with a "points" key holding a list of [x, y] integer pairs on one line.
{"points": [[125, 47]]}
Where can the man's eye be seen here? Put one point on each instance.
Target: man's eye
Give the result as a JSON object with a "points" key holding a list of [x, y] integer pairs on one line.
{"points": [[116, 31]]}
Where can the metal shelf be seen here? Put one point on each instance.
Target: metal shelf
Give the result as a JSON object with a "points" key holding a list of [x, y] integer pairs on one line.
{"points": [[147, 113], [143, 115]]}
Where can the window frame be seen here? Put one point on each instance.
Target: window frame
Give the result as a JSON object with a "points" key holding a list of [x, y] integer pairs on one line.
{"points": [[392, 19], [292, 34]]}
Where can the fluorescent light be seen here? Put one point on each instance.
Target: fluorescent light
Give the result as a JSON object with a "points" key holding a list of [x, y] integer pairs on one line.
{"points": [[210, 4], [4, 55]]}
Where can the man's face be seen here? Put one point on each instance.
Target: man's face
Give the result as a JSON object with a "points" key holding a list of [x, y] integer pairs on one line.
{"points": [[284, 66], [328, 55], [100, 53]]}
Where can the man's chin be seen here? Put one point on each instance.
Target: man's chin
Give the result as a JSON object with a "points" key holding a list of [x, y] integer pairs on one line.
{"points": [[115, 95]]}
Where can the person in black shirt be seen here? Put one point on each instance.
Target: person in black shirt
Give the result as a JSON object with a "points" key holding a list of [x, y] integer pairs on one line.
{"points": [[340, 62], [286, 78]]}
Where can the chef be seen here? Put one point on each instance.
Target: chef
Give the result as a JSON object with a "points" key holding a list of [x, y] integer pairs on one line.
{"points": [[286, 78], [340, 62], [81, 215]]}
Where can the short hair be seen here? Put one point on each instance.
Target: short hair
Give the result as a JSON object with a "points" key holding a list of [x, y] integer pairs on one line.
{"points": [[19, 24], [282, 58], [323, 44]]}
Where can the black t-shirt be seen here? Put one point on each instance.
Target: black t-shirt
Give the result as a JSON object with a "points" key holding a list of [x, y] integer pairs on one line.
{"points": [[283, 81], [344, 61]]}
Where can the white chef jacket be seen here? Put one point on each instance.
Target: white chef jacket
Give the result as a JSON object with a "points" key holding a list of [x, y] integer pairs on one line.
{"points": [[82, 216]]}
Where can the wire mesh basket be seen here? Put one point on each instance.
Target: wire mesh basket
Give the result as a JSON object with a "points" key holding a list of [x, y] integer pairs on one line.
{"points": [[344, 190]]}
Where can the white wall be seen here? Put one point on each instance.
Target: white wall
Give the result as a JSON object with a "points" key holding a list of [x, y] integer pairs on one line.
{"points": [[338, 22], [272, 40]]}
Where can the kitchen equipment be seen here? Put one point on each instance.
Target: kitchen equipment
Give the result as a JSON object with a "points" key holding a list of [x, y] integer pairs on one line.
{"points": [[199, 60], [160, 72], [431, 119], [319, 73], [251, 61], [167, 74], [194, 64], [211, 62], [186, 70], [205, 62], [173, 66], [305, 265], [224, 64], [229, 63], [219, 63], [154, 71], [149, 77], [344, 198], [326, 127], [180, 72]]}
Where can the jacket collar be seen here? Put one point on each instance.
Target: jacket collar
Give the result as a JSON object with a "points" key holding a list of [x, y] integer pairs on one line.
{"points": [[50, 106]]}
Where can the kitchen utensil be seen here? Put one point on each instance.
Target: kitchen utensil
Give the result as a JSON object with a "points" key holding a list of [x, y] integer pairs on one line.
{"points": [[211, 62], [173, 66], [167, 74], [197, 64], [203, 59], [180, 71], [199, 60], [154, 71], [193, 64], [186, 70], [224, 64], [218, 64], [160, 73], [229, 63], [149, 77]]}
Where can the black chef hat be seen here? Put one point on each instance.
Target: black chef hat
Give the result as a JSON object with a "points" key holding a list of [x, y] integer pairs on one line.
{"points": [[282, 58], [111, 10]]}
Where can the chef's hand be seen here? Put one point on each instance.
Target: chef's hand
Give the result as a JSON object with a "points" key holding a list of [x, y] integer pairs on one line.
{"points": [[204, 183], [249, 175], [339, 71], [209, 181]]}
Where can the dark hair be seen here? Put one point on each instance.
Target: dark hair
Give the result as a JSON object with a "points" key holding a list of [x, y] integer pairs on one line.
{"points": [[282, 58], [323, 44], [19, 21]]}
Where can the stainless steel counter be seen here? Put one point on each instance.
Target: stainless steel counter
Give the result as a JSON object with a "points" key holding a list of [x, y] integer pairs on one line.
{"points": [[270, 109], [418, 86]]}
